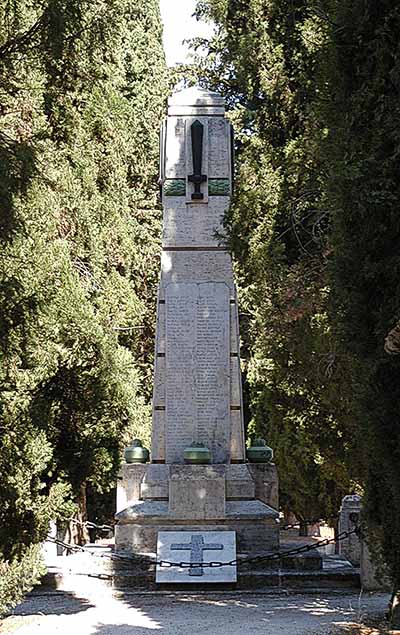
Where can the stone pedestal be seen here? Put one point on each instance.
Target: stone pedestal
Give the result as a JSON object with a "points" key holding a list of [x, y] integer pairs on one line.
{"points": [[198, 498], [197, 393]]}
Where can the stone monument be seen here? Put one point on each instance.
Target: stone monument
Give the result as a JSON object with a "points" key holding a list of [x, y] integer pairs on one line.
{"points": [[197, 383]]}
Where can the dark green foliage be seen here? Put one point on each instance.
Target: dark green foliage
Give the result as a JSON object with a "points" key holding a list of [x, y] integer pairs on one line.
{"points": [[315, 230], [82, 92], [267, 59], [364, 194], [19, 577]]}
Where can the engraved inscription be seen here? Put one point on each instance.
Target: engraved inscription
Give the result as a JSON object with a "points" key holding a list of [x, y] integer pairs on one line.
{"points": [[198, 371], [180, 369], [175, 150], [218, 154], [212, 373]]}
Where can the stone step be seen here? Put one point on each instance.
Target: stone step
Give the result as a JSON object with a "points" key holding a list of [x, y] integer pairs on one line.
{"points": [[73, 572]]}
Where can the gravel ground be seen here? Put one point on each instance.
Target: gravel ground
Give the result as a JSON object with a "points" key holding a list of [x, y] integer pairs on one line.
{"points": [[101, 613]]}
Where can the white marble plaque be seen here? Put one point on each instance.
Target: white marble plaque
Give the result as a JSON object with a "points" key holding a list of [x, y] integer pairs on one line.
{"points": [[197, 369], [196, 547]]}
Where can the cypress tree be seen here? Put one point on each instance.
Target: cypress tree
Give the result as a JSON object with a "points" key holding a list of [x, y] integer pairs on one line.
{"points": [[83, 87], [363, 194], [268, 57]]}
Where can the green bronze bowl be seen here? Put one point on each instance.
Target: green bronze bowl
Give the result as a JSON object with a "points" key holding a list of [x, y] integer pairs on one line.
{"points": [[197, 454], [136, 453], [259, 452]]}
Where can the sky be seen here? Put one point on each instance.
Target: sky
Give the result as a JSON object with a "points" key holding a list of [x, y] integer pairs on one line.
{"points": [[179, 25]]}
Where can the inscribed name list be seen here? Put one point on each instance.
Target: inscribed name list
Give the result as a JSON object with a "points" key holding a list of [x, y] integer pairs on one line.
{"points": [[197, 369]]}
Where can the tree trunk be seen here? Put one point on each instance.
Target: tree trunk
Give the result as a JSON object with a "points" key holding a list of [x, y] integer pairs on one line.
{"points": [[303, 531], [394, 610], [77, 532]]}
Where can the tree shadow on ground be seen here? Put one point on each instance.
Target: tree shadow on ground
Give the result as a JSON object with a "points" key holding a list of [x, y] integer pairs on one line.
{"points": [[126, 629], [56, 603], [370, 627], [172, 614]]}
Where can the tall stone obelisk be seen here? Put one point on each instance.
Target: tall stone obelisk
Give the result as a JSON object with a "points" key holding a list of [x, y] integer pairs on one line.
{"points": [[197, 385]]}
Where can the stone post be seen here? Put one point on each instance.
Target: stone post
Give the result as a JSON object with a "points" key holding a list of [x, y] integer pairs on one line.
{"points": [[349, 517]]}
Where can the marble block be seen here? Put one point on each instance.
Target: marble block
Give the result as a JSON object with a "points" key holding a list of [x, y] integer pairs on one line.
{"points": [[239, 483], [128, 488], [197, 491], [266, 481], [196, 547], [154, 485]]}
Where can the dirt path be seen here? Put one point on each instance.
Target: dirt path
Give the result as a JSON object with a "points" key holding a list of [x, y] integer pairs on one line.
{"points": [[227, 614]]}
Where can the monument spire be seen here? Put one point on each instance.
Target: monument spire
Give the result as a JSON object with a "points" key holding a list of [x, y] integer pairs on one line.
{"points": [[197, 383]]}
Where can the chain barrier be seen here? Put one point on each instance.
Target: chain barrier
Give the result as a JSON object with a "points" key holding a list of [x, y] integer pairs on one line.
{"points": [[275, 555]]}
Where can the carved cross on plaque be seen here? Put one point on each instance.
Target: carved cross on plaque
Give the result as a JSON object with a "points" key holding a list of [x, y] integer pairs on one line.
{"points": [[196, 546], [197, 177]]}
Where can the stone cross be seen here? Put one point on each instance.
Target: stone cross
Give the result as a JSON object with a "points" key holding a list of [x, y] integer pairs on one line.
{"points": [[197, 386], [196, 546]]}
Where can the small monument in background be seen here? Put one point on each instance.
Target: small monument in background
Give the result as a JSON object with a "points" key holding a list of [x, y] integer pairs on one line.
{"points": [[197, 383]]}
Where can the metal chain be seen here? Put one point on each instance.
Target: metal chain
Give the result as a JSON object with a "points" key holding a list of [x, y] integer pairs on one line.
{"points": [[276, 555]]}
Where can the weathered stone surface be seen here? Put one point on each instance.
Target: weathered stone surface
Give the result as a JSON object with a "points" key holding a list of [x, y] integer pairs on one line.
{"points": [[193, 101], [158, 435], [128, 488], [266, 482], [175, 155], [154, 485], [238, 450], [197, 491], [195, 267], [197, 369], [349, 515], [159, 382], [219, 165], [256, 527], [236, 384], [234, 329], [160, 332], [193, 224], [196, 547], [239, 483]]}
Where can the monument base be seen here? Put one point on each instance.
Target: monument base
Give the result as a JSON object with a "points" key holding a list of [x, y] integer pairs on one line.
{"points": [[198, 498], [256, 526]]}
